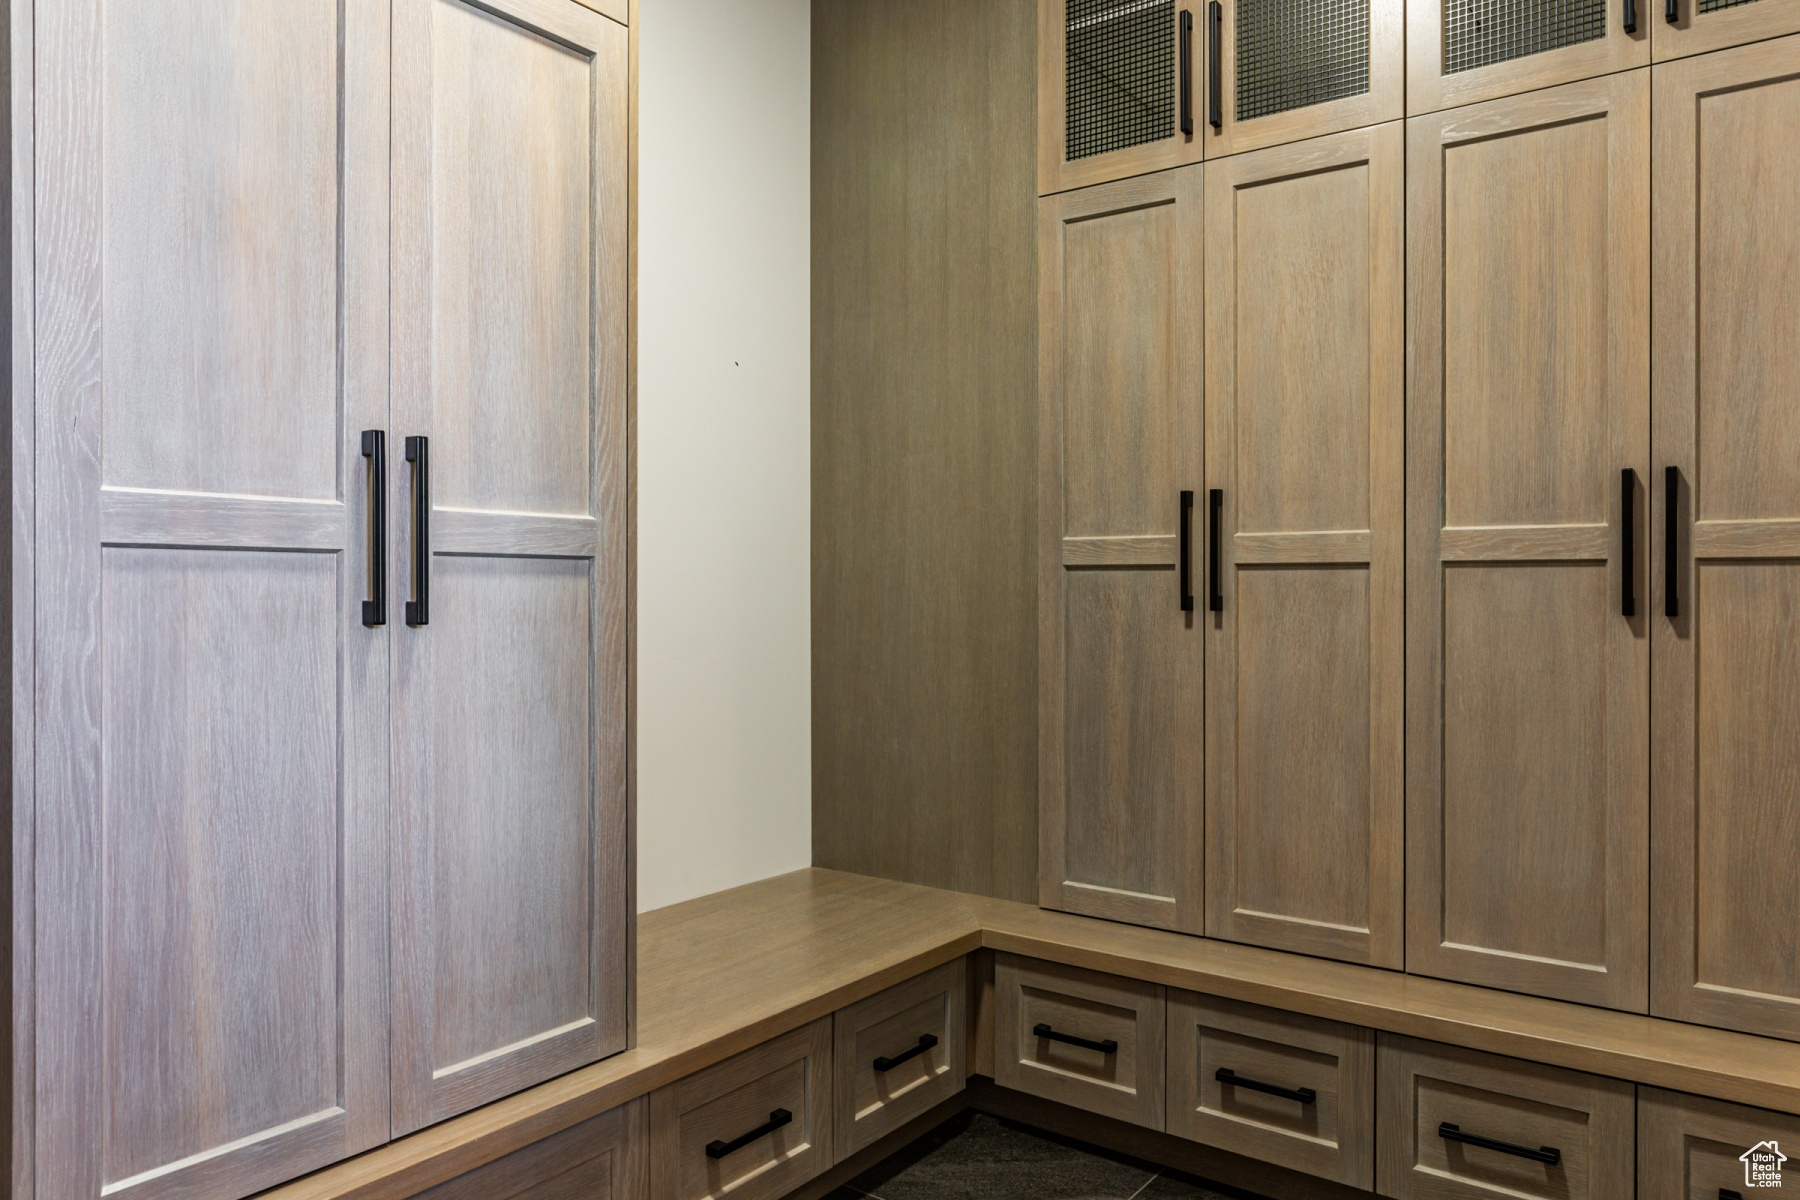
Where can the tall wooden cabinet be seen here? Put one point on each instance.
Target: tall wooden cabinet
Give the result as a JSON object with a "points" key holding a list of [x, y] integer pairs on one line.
{"points": [[1119, 426], [1304, 656], [1725, 621], [276, 848], [1528, 616]]}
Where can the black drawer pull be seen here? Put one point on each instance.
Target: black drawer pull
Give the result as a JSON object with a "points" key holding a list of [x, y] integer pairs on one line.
{"points": [[1215, 600], [1729, 1194], [1303, 1095], [374, 448], [926, 1042], [777, 1119], [1628, 542], [1186, 566], [1630, 21], [1187, 72], [1671, 542], [418, 453], [1044, 1031], [1672, 11], [1215, 104], [1544, 1154]]}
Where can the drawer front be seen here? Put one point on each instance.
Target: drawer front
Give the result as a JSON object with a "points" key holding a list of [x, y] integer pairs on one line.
{"points": [[1079, 1037], [898, 1053], [1297, 1090], [1690, 1148], [603, 1158], [1437, 1105], [755, 1126]]}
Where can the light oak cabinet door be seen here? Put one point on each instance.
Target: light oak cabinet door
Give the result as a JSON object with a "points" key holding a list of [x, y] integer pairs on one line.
{"points": [[1120, 727], [1305, 414], [211, 777], [512, 911], [1466, 51], [1726, 747], [1110, 84], [1691, 1148], [1527, 683], [1683, 27], [1287, 72]]}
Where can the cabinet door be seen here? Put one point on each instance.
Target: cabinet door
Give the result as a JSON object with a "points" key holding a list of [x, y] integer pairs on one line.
{"points": [[1682, 27], [1117, 84], [211, 337], [1305, 414], [1280, 72], [1527, 682], [1690, 1148], [1121, 736], [512, 912], [1727, 663], [1465, 51]]}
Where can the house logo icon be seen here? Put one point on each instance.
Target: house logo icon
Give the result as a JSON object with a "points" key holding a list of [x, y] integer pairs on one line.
{"points": [[1762, 1164]]}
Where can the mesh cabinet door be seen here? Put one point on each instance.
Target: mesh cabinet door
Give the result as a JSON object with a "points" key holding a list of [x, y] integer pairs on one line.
{"points": [[1284, 71], [1682, 27], [1119, 85], [1465, 51]]}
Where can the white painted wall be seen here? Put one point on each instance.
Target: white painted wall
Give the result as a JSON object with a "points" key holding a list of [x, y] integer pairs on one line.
{"points": [[724, 595]]}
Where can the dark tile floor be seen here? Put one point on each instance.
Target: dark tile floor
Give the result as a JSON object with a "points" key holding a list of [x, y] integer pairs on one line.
{"points": [[978, 1157]]}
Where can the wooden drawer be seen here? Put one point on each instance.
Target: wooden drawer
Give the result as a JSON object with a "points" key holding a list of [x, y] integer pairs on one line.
{"points": [[1690, 1148], [1080, 1038], [897, 1054], [1298, 1091], [1430, 1095], [723, 1129], [603, 1158]]}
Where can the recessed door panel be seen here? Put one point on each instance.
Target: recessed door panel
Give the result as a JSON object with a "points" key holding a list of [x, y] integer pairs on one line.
{"points": [[1121, 733], [512, 923], [212, 714], [1527, 604], [1726, 617], [1304, 407]]}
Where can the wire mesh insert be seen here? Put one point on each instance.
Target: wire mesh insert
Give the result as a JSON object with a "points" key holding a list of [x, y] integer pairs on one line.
{"points": [[1480, 32], [1119, 75], [1292, 55], [1708, 6]]}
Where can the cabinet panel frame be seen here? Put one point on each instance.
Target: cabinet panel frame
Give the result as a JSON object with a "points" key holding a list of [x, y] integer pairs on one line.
{"points": [[1694, 32], [1428, 89], [1382, 549], [1666, 1120]]}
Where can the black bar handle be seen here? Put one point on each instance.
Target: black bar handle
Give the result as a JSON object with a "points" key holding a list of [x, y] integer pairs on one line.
{"points": [[1187, 552], [926, 1042], [418, 453], [1187, 72], [1227, 1075], [1215, 601], [1215, 37], [1628, 542], [1044, 1031], [1630, 16], [1544, 1154], [1672, 11], [1727, 1193], [1671, 542], [777, 1119], [374, 448]]}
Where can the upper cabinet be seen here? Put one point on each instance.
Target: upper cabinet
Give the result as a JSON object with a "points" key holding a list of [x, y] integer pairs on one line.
{"points": [[1464, 51], [1725, 621], [1117, 83], [1682, 27], [1528, 457]]}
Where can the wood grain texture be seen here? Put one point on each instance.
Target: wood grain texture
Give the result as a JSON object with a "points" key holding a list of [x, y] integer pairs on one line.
{"points": [[1305, 414], [1422, 1086], [1429, 89], [1695, 32], [212, 987], [1120, 729], [603, 1158], [727, 972], [870, 1103], [1384, 100], [511, 927], [1528, 349], [1689, 1148], [1125, 1082], [1058, 173], [741, 1094], [923, 443], [1332, 1136], [1726, 775]]}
